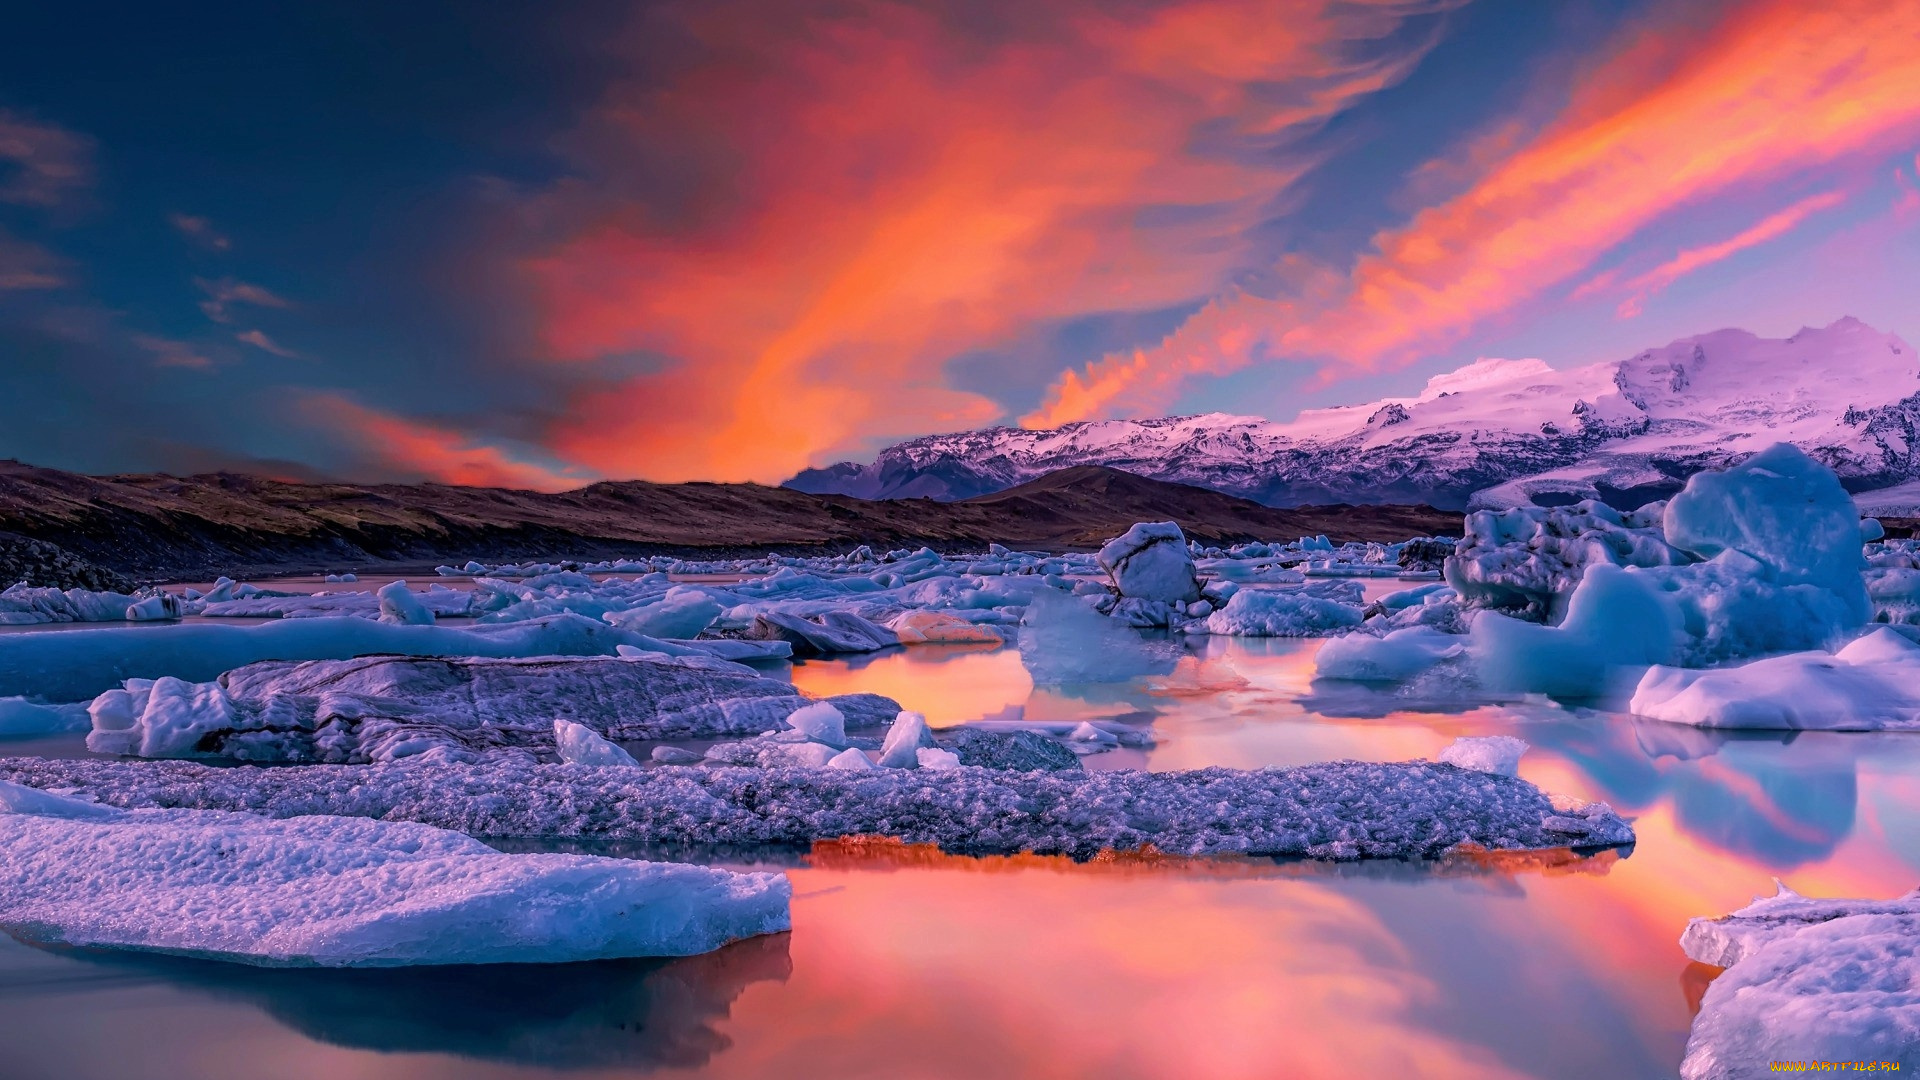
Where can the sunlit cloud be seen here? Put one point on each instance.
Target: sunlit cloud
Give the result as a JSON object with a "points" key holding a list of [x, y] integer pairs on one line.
{"points": [[176, 354], [405, 448], [1645, 286], [1677, 117], [199, 230], [25, 266], [41, 164], [259, 340], [226, 292], [859, 197]]}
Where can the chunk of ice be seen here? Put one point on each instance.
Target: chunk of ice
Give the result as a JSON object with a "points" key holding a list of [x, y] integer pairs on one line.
{"points": [[581, 745]]}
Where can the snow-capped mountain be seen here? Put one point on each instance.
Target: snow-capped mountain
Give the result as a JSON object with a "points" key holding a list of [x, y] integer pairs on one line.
{"points": [[1493, 433]]}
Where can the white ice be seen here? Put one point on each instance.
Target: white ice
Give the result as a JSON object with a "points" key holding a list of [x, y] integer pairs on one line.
{"points": [[350, 892], [1150, 562], [1269, 613], [581, 745], [1486, 753], [1873, 684]]}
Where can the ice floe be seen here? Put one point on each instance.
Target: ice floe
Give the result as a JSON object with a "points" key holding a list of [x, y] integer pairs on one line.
{"points": [[384, 708], [1872, 684], [1150, 562], [1807, 980], [1338, 810], [349, 892]]}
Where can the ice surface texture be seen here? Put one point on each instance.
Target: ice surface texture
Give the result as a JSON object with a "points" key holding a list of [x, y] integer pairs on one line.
{"points": [[1873, 684], [383, 708], [1339, 810], [350, 892], [1150, 562], [1806, 980]]}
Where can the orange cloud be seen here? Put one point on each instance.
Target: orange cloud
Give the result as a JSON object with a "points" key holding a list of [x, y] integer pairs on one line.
{"points": [[411, 448], [1691, 259], [1675, 117], [869, 193]]}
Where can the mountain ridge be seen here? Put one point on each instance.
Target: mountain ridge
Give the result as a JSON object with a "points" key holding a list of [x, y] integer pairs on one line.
{"points": [[160, 527], [1493, 433]]}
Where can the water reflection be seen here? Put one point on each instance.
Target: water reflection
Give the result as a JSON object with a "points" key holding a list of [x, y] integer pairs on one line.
{"points": [[633, 1015]]}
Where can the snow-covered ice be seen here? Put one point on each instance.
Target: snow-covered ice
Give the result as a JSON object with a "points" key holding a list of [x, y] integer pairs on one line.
{"points": [[1150, 562], [1486, 753], [350, 892], [1872, 684], [1337, 810], [384, 708], [1807, 980]]}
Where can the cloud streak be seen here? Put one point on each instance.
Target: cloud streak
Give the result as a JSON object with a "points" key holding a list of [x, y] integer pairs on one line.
{"points": [[410, 449], [1675, 117], [40, 164], [864, 195]]}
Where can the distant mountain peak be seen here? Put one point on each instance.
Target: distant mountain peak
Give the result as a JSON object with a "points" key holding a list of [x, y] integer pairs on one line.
{"points": [[1493, 432]]}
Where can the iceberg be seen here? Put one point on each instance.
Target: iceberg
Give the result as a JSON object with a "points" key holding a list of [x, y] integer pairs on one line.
{"points": [[1396, 657], [1150, 562], [1486, 753], [1807, 980], [351, 892], [1616, 619], [385, 708], [682, 613], [21, 717], [1338, 810], [581, 745], [75, 665], [1873, 684], [1265, 613], [835, 632], [400, 607]]}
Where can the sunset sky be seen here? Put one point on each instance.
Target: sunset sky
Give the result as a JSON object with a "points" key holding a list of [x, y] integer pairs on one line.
{"points": [[537, 245]]}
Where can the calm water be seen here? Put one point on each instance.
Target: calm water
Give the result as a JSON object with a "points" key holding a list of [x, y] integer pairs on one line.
{"points": [[908, 963]]}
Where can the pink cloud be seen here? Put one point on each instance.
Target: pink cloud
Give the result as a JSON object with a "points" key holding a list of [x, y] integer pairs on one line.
{"points": [[259, 340], [409, 448]]}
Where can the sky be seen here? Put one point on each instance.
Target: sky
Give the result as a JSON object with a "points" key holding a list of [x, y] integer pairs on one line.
{"points": [[541, 245]]}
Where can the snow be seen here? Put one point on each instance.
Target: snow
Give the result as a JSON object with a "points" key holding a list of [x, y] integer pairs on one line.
{"points": [[581, 745], [1397, 657], [1488, 753], [1872, 684], [75, 665], [1337, 810], [1807, 980], [400, 607], [1150, 562], [1265, 613], [385, 708], [349, 892]]}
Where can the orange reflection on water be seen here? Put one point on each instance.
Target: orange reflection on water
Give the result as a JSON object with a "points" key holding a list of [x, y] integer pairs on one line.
{"points": [[951, 684]]}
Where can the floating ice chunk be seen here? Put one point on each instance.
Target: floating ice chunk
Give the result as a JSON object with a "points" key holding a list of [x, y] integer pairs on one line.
{"points": [[160, 607], [1396, 657], [581, 745], [682, 613], [1332, 810], [852, 758], [1527, 561], [20, 799], [1783, 509], [932, 757], [399, 607], [384, 708], [675, 755], [1616, 618], [1486, 753], [1807, 980], [19, 716], [836, 632], [75, 665], [821, 723], [1085, 732], [933, 627], [1872, 684], [1150, 562], [908, 735], [1265, 613], [349, 892]]}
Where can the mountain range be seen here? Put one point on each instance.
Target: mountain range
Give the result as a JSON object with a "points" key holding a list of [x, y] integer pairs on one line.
{"points": [[1494, 433], [67, 529]]}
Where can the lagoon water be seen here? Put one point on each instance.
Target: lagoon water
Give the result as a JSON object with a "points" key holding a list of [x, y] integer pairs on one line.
{"points": [[905, 962]]}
